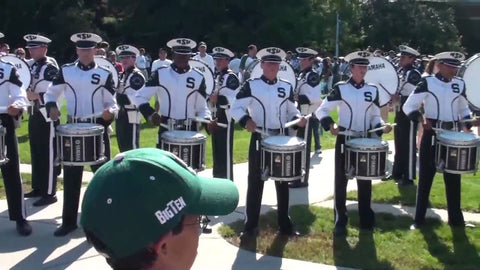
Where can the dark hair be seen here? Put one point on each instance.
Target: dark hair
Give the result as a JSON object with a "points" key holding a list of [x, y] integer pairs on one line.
{"points": [[137, 261]]}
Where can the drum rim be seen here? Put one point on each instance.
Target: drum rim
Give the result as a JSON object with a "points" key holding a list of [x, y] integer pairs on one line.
{"points": [[384, 144], [475, 140], [201, 136], [256, 61], [95, 129], [209, 69], [26, 64]]}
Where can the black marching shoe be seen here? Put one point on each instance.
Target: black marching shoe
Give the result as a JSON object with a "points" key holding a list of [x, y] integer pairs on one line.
{"points": [[249, 233], [339, 231], [46, 200], [289, 233], [23, 227], [65, 229], [297, 184], [32, 194], [405, 183]]}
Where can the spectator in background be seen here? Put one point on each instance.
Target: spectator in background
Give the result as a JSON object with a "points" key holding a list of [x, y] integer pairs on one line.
{"points": [[142, 62], [4, 48], [204, 57], [101, 52], [20, 53], [112, 56], [161, 61]]}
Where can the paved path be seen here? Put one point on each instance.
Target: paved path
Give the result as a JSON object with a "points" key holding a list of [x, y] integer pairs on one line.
{"points": [[43, 251]]}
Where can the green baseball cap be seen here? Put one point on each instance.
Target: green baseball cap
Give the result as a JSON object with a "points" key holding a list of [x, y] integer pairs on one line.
{"points": [[142, 194]]}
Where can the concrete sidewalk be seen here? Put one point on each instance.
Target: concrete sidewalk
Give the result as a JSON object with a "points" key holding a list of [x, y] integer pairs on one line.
{"points": [[42, 250]]}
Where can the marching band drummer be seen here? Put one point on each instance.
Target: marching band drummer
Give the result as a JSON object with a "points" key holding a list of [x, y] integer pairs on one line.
{"points": [[41, 130], [405, 160], [265, 103], [89, 94], [308, 98], [127, 124], [445, 104], [12, 101], [181, 92], [224, 95], [359, 111]]}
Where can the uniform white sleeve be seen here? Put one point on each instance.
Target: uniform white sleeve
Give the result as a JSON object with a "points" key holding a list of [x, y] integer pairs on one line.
{"points": [[239, 109], [109, 101], [56, 89], [201, 107], [414, 101]]}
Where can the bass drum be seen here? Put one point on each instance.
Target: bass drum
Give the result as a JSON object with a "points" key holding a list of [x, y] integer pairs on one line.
{"points": [[384, 75], [105, 63], [469, 72], [207, 73], [286, 72], [22, 68]]}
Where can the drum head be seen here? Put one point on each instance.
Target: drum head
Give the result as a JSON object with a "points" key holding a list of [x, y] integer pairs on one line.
{"points": [[235, 65], [384, 75], [80, 129], [207, 73], [183, 136], [457, 138], [22, 68], [105, 63], [469, 72], [366, 143], [285, 72], [283, 143]]}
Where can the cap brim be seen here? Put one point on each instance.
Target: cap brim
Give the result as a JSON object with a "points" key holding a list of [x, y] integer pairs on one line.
{"points": [[218, 197]]}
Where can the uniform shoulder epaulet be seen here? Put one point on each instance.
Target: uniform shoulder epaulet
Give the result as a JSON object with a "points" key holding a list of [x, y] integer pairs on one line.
{"points": [[232, 81], [414, 77], [285, 81], [198, 71], [313, 79], [68, 65], [137, 80]]}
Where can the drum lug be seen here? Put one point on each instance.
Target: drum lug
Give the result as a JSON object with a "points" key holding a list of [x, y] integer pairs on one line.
{"points": [[265, 174], [350, 172]]}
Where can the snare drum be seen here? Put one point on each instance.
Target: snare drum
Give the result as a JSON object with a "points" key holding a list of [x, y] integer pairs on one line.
{"points": [[80, 144], [283, 158], [366, 158], [189, 146], [457, 152], [3, 149]]}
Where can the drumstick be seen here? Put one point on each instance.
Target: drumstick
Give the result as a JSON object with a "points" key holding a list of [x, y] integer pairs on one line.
{"points": [[296, 121], [381, 128], [165, 126], [201, 120], [261, 132]]}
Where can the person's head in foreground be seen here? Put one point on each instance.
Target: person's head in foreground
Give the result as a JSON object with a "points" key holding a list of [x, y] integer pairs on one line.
{"points": [[145, 210]]}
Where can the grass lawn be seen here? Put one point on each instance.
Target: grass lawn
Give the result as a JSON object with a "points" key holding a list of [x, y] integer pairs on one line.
{"points": [[27, 184], [391, 245], [389, 192], [148, 138]]}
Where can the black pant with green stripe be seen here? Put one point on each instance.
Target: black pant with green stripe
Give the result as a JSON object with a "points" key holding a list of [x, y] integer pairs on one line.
{"points": [[127, 134], [405, 135], [43, 153], [222, 147], [11, 171]]}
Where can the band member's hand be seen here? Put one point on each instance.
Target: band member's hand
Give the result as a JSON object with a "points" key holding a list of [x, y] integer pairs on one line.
{"points": [[387, 128], [250, 125], [302, 122], [107, 115], [14, 110], [212, 126], [395, 98], [32, 95], [467, 130], [156, 119], [213, 98], [427, 125], [54, 114], [295, 97], [334, 129]]}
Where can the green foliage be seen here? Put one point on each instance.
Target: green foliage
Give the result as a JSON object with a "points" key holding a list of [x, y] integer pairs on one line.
{"points": [[235, 24]]}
